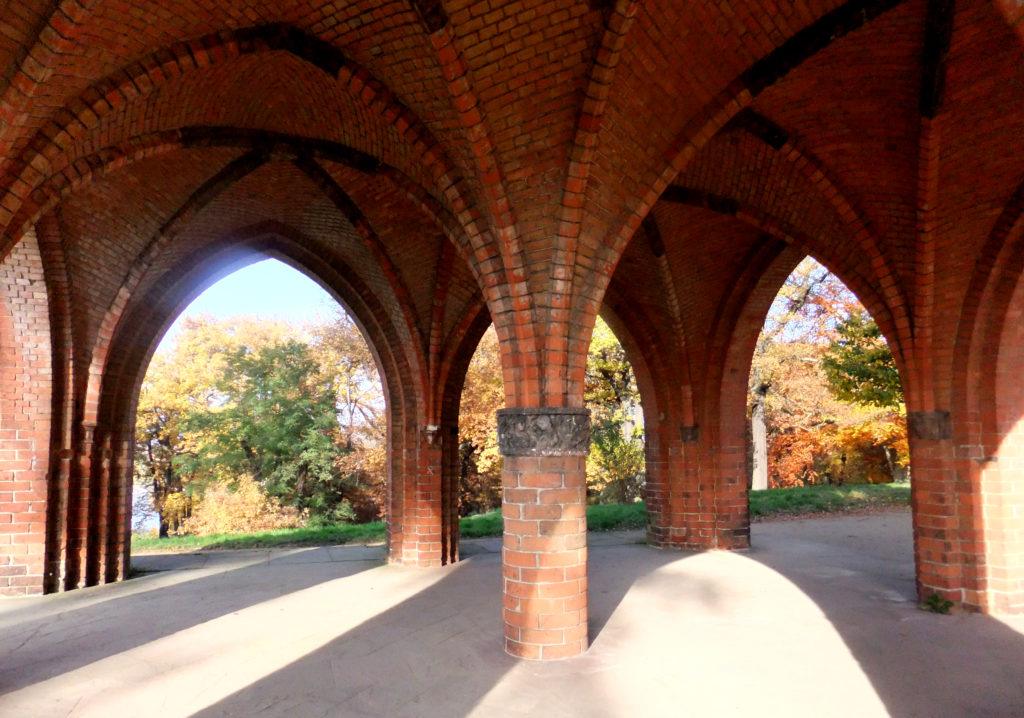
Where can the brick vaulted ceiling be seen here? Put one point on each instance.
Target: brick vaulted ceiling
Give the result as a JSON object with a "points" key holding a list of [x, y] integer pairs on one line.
{"points": [[458, 152]]}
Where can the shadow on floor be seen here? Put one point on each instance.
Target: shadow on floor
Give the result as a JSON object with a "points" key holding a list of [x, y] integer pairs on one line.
{"points": [[136, 612], [442, 647], [818, 618], [860, 573]]}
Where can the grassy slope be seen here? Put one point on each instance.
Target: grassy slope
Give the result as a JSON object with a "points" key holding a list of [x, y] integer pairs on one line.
{"points": [[826, 499], [607, 517]]}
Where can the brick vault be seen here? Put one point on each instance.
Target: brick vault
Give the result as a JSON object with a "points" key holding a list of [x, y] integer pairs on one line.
{"points": [[443, 165]]}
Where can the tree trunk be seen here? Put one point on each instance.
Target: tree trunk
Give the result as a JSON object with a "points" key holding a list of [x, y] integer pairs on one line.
{"points": [[890, 463], [759, 436]]}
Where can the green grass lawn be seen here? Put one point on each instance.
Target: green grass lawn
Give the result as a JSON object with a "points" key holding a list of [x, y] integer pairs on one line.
{"points": [[318, 536], [605, 517], [826, 499]]}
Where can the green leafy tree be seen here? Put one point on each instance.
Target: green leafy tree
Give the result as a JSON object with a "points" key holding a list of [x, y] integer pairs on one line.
{"points": [[178, 380], [273, 419], [181, 380], [859, 366], [243, 404], [609, 383], [615, 466]]}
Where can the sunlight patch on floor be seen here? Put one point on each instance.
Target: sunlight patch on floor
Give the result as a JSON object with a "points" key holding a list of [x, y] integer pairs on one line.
{"points": [[192, 669]]}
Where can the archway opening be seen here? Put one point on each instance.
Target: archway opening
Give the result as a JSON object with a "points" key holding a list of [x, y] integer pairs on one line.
{"points": [[483, 394], [262, 408], [825, 400], [616, 472]]}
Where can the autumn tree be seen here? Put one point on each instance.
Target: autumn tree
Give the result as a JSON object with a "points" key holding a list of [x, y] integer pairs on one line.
{"points": [[180, 380], [158, 441], [242, 401], [859, 366], [345, 360], [615, 466], [799, 318], [273, 419], [811, 436], [349, 367], [480, 460]]}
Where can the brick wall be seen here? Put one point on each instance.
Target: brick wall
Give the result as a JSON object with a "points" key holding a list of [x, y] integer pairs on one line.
{"points": [[24, 420]]}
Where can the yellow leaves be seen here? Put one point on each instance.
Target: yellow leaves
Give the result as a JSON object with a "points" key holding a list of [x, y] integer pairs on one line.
{"points": [[245, 395], [243, 509], [350, 369], [176, 508], [482, 395]]}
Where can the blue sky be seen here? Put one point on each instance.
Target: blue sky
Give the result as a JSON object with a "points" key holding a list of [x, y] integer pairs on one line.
{"points": [[268, 288]]}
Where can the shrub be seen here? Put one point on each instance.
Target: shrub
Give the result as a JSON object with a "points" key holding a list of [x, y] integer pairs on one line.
{"points": [[242, 508]]}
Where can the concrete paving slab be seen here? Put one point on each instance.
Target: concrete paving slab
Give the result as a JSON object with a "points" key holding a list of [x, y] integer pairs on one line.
{"points": [[375, 552], [472, 547], [819, 618]]}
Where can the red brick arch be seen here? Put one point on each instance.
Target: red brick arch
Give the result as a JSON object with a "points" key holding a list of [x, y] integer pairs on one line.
{"points": [[987, 411], [822, 249], [537, 163], [449, 384], [696, 429], [687, 145], [216, 185], [26, 395], [141, 322], [51, 161], [82, 554], [52, 168], [987, 307]]}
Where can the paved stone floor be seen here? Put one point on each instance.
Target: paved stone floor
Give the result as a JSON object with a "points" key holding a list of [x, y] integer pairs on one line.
{"points": [[818, 619]]}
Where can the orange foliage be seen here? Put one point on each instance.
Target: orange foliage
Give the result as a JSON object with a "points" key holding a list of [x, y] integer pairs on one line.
{"points": [[366, 487], [813, 437], [480, 460], [799, 458], [873, 451]]}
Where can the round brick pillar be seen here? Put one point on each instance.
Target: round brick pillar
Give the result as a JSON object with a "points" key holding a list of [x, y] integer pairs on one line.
{"points": [[544, 556]]}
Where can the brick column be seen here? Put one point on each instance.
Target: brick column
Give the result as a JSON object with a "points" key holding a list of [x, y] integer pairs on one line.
{"points": [[696, 491], [937, 529], [680, 514], [80, 497], [423, 509], [544, 556], [25, 410], [450, 465]]}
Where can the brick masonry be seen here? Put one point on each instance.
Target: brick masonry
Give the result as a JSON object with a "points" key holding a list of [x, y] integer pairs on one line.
{"points": [[441, 165], [24, 420]]}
